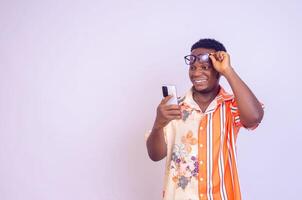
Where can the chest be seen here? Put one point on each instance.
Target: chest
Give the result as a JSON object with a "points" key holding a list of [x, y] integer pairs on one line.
{"points": [[198, 129]]}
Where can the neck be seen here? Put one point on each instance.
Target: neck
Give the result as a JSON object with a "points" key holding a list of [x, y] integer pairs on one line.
{"points": [[205, 98]]}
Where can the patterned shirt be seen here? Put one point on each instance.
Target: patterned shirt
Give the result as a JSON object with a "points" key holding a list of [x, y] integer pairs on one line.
{"points": [[201, 159]]}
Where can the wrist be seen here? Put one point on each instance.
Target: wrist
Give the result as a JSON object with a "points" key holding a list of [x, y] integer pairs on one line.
{"points": [[157, 126], [228, 72]]}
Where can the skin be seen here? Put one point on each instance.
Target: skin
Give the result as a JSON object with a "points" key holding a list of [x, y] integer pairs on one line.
{"points": [[205, 88]]}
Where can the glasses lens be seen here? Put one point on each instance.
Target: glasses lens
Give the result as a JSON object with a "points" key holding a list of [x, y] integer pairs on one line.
{"points": [[203, 57], [190, 59]]}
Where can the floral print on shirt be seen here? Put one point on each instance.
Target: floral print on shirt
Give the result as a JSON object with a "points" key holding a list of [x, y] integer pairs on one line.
{"points": [[186, 111], [184, 165]]}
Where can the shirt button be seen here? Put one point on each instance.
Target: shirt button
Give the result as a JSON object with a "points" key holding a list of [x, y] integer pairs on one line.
{"points": [[200, 145], [200, 128], [201, 162], [201, 195], [201, 179]]}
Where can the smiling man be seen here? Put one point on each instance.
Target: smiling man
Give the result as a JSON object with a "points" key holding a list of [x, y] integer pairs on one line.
{"points": [[198, 136]]}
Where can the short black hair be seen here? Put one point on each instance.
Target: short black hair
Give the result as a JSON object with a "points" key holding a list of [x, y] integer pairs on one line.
{"points": [[208, 44]]}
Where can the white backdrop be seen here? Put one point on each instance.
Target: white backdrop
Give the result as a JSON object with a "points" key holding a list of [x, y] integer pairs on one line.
{"points": [[80, 82]]}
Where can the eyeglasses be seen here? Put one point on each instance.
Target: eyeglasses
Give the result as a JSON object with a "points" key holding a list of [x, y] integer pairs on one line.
{"points": [[191, 59]]}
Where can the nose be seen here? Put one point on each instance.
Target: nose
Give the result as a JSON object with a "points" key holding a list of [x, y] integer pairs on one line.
{"points": [[197, 69]]}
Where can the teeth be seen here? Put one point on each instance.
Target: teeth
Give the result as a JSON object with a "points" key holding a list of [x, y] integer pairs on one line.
{"points": [[199, 81]]}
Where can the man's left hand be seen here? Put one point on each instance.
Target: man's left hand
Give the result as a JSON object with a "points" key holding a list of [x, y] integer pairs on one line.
{"points": [[221, 61]]}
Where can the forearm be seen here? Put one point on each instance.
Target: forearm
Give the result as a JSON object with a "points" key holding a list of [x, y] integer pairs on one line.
{"points": [[251, 111], [156, 145]]}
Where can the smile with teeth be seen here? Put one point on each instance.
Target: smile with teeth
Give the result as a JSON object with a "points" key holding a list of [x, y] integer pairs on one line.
{"points": [[200, 80]]}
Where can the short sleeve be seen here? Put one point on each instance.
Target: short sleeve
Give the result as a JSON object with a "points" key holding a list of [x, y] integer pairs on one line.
{"points": [[236, 115]]}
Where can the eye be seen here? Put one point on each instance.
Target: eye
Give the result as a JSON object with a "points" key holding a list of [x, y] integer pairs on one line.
{"points": [[205, 67], [192, 67]]}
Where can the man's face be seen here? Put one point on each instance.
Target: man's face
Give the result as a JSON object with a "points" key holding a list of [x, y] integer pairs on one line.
{"points": [[202, 73]]}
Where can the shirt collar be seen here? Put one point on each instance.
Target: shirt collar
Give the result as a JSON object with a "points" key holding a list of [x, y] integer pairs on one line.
{"points": [[221, 97]]}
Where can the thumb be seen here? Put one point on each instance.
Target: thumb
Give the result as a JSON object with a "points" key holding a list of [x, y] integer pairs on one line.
{"points": [[213, 59]]}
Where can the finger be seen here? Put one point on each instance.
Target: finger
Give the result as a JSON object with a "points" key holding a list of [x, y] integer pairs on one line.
{"points": [[213, 58], [165, 107], [226, 57], [217, 55], [173, 107], [220, 56], [172, 117], [166, 99], [173, 112], [224, 53]]}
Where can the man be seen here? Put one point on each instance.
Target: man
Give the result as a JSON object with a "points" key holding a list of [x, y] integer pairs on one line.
{"points": [[198, 136]]}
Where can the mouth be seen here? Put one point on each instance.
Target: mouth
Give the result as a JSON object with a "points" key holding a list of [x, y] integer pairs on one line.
{"points": [[200, 81]]}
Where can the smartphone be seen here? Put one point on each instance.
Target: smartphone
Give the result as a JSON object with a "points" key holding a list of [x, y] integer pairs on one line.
{"points": [[170, 90]]}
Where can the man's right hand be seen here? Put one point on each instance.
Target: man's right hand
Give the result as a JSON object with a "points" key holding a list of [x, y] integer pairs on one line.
{"points": [[166, 113]]}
